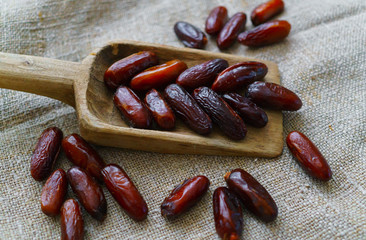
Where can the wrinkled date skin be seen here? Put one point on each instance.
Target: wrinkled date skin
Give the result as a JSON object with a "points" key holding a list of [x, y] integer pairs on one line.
{"points": [[272, 95], [133, 110], [80, 153], [254, 196], [216, 20], [248, 110], [189, 35], [230, 31], [239, 75], [184, 196], [228, 214], [265, 34], [202, 75], [158, 76], [220, 113], [308, 155], [122, 71], [188, 109], [53, 193], [162, 113], [124, 192], [266, 11], [72, 224], [46, 153], [89, 193]]}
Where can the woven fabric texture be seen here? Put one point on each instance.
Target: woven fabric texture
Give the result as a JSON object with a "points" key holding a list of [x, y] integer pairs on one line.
{"points": [[323, 60]]}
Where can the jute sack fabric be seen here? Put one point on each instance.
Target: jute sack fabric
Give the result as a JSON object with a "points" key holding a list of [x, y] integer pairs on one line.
{"points": [[323, 61]]}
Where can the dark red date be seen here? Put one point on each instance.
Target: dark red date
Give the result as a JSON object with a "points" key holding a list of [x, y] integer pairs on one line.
{"points": [[266, 11], [189, 35], [162, 113], [254, 196], [230, 31], [216, 20], [308, 155], [72, 224], [184, 196], [46, 153]]}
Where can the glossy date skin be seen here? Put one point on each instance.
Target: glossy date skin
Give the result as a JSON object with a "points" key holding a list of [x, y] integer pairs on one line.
{"points": [[274, 96], [122, 71], [133, 110], [309, 156], [253, 195], [202, 74], [185, 196], [189, 35], [239, 75], [216, 20], [188, 109], [248, 110], [46, 153], [230, 31], [72, 224], [228, 214], [266, 11], [162, 113], [220, 113], [158, 76], [265, 34], [80, 153], [89, 193]]}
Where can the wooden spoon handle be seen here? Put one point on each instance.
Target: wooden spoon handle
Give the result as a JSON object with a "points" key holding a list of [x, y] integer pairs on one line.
{"points": [[43, 76]]}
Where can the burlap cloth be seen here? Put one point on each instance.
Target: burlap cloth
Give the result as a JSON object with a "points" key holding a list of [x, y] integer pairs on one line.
{"points": [[323, 60]]}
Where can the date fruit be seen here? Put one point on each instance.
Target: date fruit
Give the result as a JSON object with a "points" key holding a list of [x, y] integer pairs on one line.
{"points": [[162, 113], [265, 34], [46, 153], [122, 71], [230, 31], [133, 110], [188, 109], [253, 195], [80, 153], [266, 11], [72, 224], [216, 20], [202, 75], [184, 196], [220, 113], [239, 75], [272, 95], [228, 214], [248, 110], [189, 35], [158, 76], [308, 155], [124, 192], [89, 193]]}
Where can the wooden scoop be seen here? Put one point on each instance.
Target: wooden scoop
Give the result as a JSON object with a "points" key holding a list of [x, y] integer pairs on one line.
{"points": [[81, 86]]}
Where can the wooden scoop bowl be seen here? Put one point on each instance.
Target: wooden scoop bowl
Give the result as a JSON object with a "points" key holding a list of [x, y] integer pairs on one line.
{"points": [[81, 86]]}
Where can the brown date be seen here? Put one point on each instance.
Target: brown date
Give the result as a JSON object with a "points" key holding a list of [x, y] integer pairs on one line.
{"points": [[122, 71], [46, 153], [239, 75], [253, 195], [220, 113], [124, 192], [266, 11], [133, 110], [72, 224], [80, 153], [308, 155], [265, 34], [189, 35], [188, 109], [248, 110], [89, 193], [230, 31], [158, 76], [228, 214], [53, 193], [162, 113], [216, 20], [272, 95], [184, 196], [202, 74]]}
